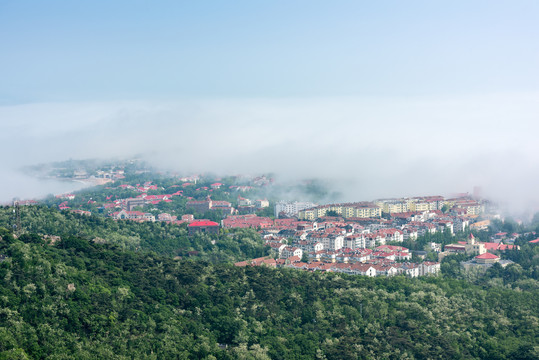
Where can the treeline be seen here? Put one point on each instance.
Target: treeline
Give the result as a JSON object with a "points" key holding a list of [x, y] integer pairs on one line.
{"points": [[162, 238], [78, 299]]}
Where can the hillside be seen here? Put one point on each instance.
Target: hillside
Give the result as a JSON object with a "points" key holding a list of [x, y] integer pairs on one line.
{"points": [[162, 238], [78, 299]]}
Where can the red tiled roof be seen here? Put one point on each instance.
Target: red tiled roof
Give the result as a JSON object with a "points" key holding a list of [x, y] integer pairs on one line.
{"points": [[487, 256], [203, 223]]}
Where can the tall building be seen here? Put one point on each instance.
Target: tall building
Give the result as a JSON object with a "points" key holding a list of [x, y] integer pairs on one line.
{"points": [[291, 208]]}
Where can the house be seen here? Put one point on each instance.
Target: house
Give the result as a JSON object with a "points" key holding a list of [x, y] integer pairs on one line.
{"points": [[222, 206], [242, 202], [290, 251], [309, 246], [202, 206], [363, 269], [409, 269], [216, 185], [486, 258], [385, 270], [409, 232], [291, 208], [263, 261], [203, 226], [199, 206], [484, 261], [133, 215], [494, 246], [468, 247], [355, 241], [429, 268], [276, 247], [81, 212], [435, 247], [165, 217], [480, 225], [188, 217], [392, 248], [445, 225], [247, 221], [261, 203]]}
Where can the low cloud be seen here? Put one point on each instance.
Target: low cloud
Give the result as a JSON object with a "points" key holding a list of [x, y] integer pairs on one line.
{"points": [[367, 148]]}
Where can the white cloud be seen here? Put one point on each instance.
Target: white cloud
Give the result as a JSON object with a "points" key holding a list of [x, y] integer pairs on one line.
{"points": [[377, 147]]}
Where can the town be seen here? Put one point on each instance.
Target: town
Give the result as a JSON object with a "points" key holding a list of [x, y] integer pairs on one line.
{"points": [[362, 238]]}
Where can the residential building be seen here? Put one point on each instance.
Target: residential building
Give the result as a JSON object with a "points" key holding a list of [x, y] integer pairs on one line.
{"points": [[291, 208], [203, 226]]}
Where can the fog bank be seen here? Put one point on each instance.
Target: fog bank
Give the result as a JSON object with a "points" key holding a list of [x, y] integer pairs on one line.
{"points": [[367, 148]]}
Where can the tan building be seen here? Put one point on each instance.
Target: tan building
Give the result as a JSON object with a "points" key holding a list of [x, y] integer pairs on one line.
{"points": [[484, 261], [360, 210], [473, 247]]}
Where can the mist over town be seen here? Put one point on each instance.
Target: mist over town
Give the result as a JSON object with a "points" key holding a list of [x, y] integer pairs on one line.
{"points": [[269, 180], [366, 148]]}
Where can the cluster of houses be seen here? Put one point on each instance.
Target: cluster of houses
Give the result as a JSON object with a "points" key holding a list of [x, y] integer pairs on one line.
{"points": [[224, 207], [336, 245], [371, 268], [130, 208], [485, 252], [412, 216], [333, 244], [356, 240]]}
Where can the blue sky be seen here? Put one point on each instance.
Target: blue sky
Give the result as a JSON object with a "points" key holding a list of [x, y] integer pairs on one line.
{"points": [[384, 98], [118, 50]]}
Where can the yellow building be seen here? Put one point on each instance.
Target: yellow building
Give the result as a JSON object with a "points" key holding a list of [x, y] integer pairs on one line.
{"points": [[349, 210], [480, 225], [449, 203], [392, 205], [419, 206], [368, 212], [476, 209], [307, 214], [399, 207]]}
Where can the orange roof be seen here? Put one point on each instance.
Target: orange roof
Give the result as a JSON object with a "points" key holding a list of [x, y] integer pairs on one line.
{"points": [[487, 256], [203, 223]]}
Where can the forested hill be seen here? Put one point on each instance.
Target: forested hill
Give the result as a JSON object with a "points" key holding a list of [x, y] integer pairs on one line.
{"points": [[81, 300], [163, 238]]}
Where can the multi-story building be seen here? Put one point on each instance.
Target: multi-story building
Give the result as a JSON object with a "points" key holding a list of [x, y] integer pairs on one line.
{"points": [[291, 251], [355, 241], [261, 203], [392, 206], [291, 208], [133, 215], [206, 205], [203, 226], [244, 202], [222, 206], [348, 210], [199, 206], [333, 242]]}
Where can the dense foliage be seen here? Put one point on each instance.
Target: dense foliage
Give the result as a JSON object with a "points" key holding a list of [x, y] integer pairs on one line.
{"points": [[166, 239], [113, 290], [78, 299]]}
